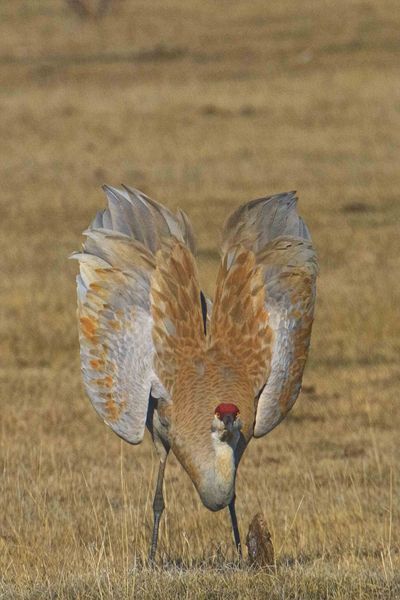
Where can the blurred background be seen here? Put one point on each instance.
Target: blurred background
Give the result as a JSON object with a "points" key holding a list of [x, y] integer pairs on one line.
{"points": [[201, 105]]}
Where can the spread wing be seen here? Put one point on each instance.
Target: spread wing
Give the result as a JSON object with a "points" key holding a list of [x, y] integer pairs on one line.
{"points": [[271, 230], [114, 310]]}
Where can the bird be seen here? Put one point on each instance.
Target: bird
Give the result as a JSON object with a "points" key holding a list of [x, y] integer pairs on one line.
{"points": [[259, 543], [204, 376]]}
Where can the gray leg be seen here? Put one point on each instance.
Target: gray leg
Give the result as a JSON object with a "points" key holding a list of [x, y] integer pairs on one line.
{"points": [[235, 526], [158, 506]]}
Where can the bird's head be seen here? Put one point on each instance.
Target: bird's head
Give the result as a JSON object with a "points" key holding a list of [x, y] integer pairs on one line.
{"points": [[226, 423]]}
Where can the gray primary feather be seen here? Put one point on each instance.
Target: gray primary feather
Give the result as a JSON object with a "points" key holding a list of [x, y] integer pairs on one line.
{"points": [[113, 288], [262, 220]]}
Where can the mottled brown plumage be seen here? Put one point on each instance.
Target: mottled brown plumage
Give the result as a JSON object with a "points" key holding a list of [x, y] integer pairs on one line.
{"points": [[155, 351], [259, 544]]}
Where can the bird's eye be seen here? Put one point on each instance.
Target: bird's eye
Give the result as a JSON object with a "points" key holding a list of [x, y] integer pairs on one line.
{"points": [[237, 414], [218, 415]]}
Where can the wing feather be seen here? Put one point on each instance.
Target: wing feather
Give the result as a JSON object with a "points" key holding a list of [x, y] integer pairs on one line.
{"points": [[239, 330], [177, 311], [117, 264], [271, 230], [290, 270]]}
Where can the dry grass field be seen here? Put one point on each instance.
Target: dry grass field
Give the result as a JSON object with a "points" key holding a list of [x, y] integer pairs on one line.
{"points": [[202, 105]]}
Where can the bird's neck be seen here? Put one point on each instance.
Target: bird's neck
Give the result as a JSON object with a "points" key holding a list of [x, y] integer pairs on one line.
{"points": [[210, 464], [224, 463], [219, 481]]}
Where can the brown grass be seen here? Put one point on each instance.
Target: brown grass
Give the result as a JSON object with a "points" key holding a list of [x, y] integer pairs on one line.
{"points": [[202, 105]]}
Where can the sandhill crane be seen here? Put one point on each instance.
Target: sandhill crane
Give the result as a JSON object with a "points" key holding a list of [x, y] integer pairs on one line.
{"points": [[204, 377]]}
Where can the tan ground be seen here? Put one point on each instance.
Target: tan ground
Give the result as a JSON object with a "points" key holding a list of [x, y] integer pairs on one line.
{"points": [[203, 105]]}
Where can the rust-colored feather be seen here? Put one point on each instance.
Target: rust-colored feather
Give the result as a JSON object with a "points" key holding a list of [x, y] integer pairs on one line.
{"points": [[178, 333], [239, 323]]}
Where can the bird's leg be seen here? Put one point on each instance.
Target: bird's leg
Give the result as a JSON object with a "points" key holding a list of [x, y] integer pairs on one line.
{"points": [[235, 528], [158, 506]]}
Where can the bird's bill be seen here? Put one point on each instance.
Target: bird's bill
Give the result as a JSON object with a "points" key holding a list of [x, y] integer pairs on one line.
{"points": [[228, 421]]}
